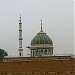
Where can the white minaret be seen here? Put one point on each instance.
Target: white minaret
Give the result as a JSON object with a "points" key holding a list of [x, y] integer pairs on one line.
{"points": [[20, 38]]}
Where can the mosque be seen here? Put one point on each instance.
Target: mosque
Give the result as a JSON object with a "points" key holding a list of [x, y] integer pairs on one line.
{"points": [[41, 44], [41, 60]]}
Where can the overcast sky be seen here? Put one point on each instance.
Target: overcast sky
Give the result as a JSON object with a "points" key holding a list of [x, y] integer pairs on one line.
{"points": [[58, 23]]}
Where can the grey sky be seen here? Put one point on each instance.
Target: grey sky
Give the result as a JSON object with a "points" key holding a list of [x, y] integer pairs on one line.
{"points": [[58, 23]]}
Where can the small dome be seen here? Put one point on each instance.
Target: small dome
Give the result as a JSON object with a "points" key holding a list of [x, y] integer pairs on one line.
{"points": [[41, 38]]}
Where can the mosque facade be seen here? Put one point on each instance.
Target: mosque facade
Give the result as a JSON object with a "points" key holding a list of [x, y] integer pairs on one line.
{"points": [[41, 44], [41, 60]]}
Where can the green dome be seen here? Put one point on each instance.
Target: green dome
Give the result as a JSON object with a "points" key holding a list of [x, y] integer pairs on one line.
{"points": [[41, 38]]}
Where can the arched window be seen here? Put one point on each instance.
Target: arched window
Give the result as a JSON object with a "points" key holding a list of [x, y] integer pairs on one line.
{"points": [[36, 52], [33, 52], [45, 52], [20, 53], [41, 52]]}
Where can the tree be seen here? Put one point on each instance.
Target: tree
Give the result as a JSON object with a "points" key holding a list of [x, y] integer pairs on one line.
{"points": [[2, 54]]}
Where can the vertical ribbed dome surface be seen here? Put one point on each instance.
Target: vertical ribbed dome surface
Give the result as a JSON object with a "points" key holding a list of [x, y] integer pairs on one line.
{"points": [[41, 38]]}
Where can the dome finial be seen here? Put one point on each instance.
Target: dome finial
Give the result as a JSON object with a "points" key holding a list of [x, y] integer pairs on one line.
{"points": [[41, 25]]}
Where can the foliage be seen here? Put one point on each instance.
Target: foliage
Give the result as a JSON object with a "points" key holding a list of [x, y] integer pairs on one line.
{"points": [[2, 54]]}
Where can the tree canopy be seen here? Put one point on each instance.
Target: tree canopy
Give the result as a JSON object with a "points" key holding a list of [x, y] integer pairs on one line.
{"points": [[2, 54]]}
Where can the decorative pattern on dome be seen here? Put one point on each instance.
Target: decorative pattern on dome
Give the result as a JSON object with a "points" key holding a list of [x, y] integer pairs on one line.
{"points": [[41, 38]]}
